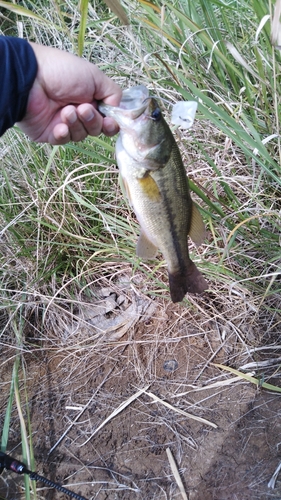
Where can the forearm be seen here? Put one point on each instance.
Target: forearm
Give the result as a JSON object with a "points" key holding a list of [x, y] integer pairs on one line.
{"points": [[18, 69]]}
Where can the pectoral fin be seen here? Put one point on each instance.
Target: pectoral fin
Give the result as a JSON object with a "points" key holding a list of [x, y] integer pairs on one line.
{"points": [[145, 249], [150, 188], [197, 229]]}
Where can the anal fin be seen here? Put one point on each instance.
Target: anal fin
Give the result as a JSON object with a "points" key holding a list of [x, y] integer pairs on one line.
{"points": [[145, 249]]}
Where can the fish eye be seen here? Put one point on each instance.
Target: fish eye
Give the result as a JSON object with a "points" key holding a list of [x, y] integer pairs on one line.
{"points": [[156, 114]]}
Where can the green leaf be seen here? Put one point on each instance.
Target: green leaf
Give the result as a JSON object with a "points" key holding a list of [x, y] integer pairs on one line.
{"points": [[22, 11], [253, 380]]}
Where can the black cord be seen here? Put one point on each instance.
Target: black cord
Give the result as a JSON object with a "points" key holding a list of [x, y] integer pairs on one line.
{"points": [[35, 477], [10, 463]]}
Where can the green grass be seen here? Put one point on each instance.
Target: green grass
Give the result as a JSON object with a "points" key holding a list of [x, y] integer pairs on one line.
{"points": [[65, 225]]}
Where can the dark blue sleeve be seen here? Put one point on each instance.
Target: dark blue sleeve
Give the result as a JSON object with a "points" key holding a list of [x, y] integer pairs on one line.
{"points": [[18, 69]]}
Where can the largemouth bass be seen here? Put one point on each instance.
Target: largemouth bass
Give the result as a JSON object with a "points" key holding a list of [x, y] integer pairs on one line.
{"points": [[156, 184]]}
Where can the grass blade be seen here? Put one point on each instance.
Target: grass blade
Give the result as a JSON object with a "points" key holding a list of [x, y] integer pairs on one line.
{"points": [[83, 25], [249, 378]]}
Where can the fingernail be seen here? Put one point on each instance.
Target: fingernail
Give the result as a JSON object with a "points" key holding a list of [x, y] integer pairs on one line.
{"points": [[63, 134], [88, 115], [71, 118], [111, 127]]}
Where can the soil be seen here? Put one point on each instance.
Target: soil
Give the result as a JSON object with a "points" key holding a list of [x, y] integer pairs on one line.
{"points": [[172, 349]]}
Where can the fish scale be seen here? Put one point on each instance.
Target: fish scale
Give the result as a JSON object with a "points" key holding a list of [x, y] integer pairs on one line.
{"points": [[155, 180]]}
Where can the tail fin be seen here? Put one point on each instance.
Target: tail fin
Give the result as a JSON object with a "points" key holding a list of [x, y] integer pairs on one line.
{"points": [[190, 281]]}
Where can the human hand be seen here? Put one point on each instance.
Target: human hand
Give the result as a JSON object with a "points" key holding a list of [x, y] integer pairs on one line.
{"points": [[62, 104]]}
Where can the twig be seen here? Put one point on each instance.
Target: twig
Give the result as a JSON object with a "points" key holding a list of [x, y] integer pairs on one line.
{"points": [[273, 479], [81, 413], [176, 473], [116, 412], [182, 412]]}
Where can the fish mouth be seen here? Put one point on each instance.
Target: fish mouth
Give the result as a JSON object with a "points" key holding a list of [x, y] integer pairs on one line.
{"points": [[134, 102]]}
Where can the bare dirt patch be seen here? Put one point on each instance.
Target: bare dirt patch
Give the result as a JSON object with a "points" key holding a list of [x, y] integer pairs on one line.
{"points": [[171, 349]]}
